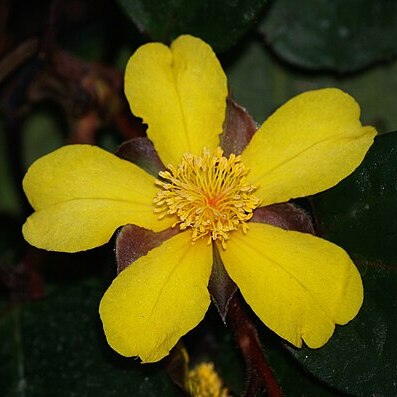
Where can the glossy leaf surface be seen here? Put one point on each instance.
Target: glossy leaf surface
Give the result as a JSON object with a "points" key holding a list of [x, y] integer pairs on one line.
{"points": [[336, 35], [56, 347], [358, 215], [220, 23]]}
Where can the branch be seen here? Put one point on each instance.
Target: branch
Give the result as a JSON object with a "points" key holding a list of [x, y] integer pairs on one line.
{"points": [[260, 373]]}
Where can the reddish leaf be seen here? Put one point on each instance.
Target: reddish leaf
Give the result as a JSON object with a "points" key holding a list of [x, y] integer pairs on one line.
{"points": [[238, 128], [133, 242], [288, 216], [141, 151], [221, 286]]}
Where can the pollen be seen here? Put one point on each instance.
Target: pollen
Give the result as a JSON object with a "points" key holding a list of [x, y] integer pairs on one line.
{"points": [[208, 194]]}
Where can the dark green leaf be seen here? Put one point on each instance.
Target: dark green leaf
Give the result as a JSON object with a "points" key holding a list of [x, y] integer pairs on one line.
{"points": [[42, 134], [261, 84], [56, 347], [292, 378], [221, 347], [332, 34], [361, 357], [8, 198], [359, 213], [220, 23]]}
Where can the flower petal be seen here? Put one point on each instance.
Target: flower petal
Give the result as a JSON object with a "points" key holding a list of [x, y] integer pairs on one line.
{"points": [[157, 299], [81, 194], [299, 285], [308, 145], [180, 92]]}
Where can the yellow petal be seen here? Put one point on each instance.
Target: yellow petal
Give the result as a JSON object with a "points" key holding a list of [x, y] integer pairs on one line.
{"points": [[81, 194], [180, 92], [308, 145], [158, 299], [299, 285]]}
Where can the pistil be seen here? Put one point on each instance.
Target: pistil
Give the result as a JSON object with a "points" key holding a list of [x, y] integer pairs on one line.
{"points": [[208, 194]]}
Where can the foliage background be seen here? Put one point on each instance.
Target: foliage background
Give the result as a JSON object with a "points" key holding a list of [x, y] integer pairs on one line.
{"points": [[61, 76]]}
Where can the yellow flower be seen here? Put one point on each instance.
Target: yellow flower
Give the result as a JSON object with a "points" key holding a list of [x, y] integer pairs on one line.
{"points": [[299, 285], [204, 381]]}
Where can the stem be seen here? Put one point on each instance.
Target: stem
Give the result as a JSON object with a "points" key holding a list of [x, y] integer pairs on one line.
{"points": [[48, 43], [257, 365]]}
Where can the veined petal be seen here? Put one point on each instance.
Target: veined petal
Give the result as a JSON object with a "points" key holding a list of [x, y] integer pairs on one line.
{"points": [[180, 92], [299, 285], [81, 194], [308, 145], [81, 224], [158, 299]]}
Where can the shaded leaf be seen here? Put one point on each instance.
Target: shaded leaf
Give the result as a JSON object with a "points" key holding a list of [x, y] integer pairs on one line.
{"points": [[56, 347], [261, 84], [221, 347], [337, 35], [220, 23], [359, 213], [361, 357], [9, 201], [177, 365], [42, 134]]}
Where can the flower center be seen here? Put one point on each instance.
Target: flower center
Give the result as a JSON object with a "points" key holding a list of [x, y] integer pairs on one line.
{"points": [[207, 193]]}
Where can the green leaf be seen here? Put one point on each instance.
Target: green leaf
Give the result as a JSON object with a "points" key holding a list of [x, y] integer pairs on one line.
{"points": [[361, 357], [294, 380], [56, 347], [261, 84], [9, 201], [41, 134], [332, 34], [220, 347], [220, 23], [359, 213]]}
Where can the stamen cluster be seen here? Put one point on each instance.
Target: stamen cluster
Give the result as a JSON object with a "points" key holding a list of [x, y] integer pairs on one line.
{"points": [[207, 193]]}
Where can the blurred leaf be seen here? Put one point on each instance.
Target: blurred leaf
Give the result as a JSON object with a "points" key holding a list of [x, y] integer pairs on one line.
{"points": [[8, 197], [260, 83], [220, 23], [41, 134], [332, 34], [359, 213], [56, 347]]}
